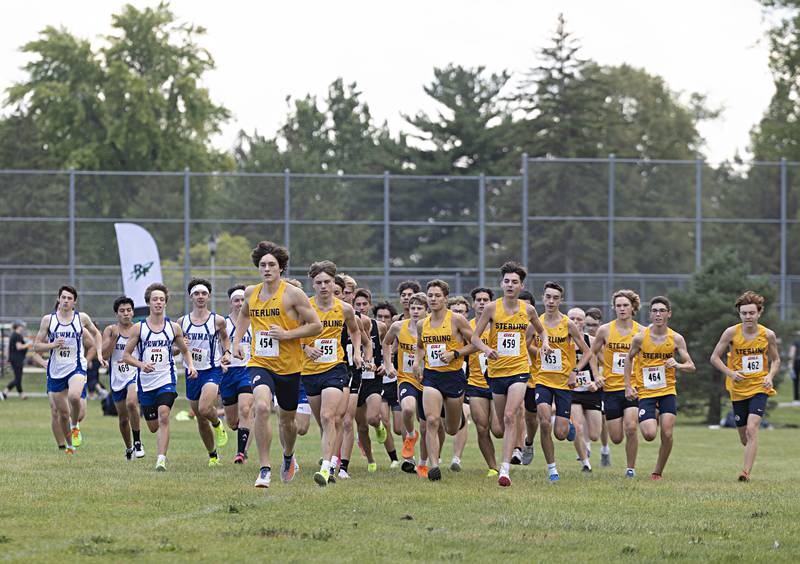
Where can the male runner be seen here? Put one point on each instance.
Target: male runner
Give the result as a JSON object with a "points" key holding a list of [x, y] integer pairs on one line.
{"points": [[123, 377], [508, 369], [586, 413], [384, 312], [613, 341], [405, 290], [460, 305], [61, 333], [153, 339], [654, 386], [279, 315], [443, 339], [530, 424], [594, 318], [753, 361], [206, 336], [236, 389]]}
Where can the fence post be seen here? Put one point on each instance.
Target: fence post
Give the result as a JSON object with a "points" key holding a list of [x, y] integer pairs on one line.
{"points": [[386, 234], [611, 213], [187, 261], [525, 211], [287, 207], [783, 238], [72, 227], [481, 230], [698, 214]]}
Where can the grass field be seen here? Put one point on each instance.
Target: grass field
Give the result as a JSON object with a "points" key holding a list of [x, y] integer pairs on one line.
{"points": [[98, 506]]}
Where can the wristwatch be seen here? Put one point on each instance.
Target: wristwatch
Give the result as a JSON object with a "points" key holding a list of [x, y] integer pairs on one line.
{"points": [[456, 354]]}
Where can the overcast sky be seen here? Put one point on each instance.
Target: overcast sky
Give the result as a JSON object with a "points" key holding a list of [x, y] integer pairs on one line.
{"points": [[267, 50]]}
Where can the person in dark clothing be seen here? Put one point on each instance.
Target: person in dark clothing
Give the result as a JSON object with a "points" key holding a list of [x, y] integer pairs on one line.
{"points": [[794, 363], [17, 349]]}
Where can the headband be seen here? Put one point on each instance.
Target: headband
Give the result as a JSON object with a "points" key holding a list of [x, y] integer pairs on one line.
{"points": [[237, 293], [198, 287]]}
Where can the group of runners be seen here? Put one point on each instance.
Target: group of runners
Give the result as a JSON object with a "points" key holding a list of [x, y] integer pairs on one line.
{"points": [[418, 374]]}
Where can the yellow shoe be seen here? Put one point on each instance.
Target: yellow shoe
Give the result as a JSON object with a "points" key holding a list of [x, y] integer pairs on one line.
{"points": [[221, 435], [77, 438], [380, 433], [213, 461], [322, 477], [492, 473], [372, 467]]}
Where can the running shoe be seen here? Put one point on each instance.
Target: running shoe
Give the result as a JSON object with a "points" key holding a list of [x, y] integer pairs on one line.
{"points": [[372, 467], [128, 454], [434, 474], [516, 457], [161, 465], [492, 473], [455, 466], [77, 438], [380, 433], [409, 466], [586, 469], [288, 470], [221, 435], [605, 459], [422, 471], [239, 458], [343, 475], [571, 432], [70, 450], [504, 481], [527, 454], [138, 449], [322, 477], [213, 461], [553, 477], [408, 445], [395, 464], [264, 477], [331, 477], [630, 473]]}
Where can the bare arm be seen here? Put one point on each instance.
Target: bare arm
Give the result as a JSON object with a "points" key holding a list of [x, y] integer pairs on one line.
{"points": [[533, 318], [222, 328], [109, 340], [597, 349], [366, 339], [40, 343], [721, 348], [683, 352], [577, 337], [636, 346], [419, 354], [242, 323], [310, 325], [462, 330], [774, 358], [388, 341], [98, 337], [184, 350], [128, 358], [354, 329], [480, 326]]}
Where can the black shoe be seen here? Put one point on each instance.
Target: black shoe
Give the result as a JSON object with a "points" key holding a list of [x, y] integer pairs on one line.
{"points": [[408, 466], [331, 478], [434, 474]]}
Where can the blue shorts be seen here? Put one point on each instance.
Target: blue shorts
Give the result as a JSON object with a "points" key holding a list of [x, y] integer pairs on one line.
{"points": [[195, 385], [406, 390], [302, 398], [313, 384], [451, 384], [590, 401], [530, 400], [284, 387], [61, 384], [501, 385], [664, 404], [476, 392], [756, 405], [122, 395], [234, 382], [563, 399], [150, 401], [615, 404]]}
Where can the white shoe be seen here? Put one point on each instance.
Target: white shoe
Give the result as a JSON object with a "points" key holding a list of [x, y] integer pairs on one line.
{"points": [[263, 479], [138, 449], [394, 464], [343, 474]]}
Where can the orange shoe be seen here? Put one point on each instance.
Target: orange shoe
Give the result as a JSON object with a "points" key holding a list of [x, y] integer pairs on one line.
{"points": [[422, 471], [408, 445]]}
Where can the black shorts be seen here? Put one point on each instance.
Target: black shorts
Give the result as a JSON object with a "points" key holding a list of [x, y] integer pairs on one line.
{"points": [[476, 392], [369, 387], [530, 400], [336, 377], [355, 379], [615, 404], [756, 405], [389, 395], [501, 385], [285, 387], [664, 404], [407, 390], [450, 384], [588, 400], [150, 412], [563, 399]]}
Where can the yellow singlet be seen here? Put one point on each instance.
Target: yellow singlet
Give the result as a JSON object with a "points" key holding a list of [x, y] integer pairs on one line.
{"points": [[329, 341], [280, 357], [477, 362], [555, 367], [750, 358], [406, 347], [534, 362], [653, 378], [614, 354], [437, 340], [507, 337]]}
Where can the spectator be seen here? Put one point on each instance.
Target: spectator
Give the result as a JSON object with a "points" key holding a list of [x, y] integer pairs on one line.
{"points": [[17, 349]]}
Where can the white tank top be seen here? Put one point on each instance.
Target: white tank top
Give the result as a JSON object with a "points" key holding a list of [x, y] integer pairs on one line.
{"points": [[245, 343], [156, 348], [203, 342], [121, 374], [69, 358]]}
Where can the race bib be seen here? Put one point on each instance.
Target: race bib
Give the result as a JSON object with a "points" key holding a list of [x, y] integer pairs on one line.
{"points": [[484, 362], [266, 345], [435, 352], [65, 354], [552, 362], [582, 381], [368, 375], [618, 366], [123, 368], [408, 363], [654, 377], [199, 356], [158, 357], [752, 364], [508, 343], [329, 349]]}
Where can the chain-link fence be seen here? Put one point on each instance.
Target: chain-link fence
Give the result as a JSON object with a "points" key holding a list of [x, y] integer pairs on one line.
{"points": [[593, 224]]}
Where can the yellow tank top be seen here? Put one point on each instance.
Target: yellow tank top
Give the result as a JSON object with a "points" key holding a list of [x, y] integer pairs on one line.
{"points": [[750, 358], [406, 348], [280, 357], [507, 337], [478, 363], [555, 367], [653, 378], [329, 341], [438, 340], [614, 354], [534, 362]]}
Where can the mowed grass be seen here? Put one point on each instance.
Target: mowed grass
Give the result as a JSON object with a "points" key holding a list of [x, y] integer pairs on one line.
{"points": [[98, 506]]}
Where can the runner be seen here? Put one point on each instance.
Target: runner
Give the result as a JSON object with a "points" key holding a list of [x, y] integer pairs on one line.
{"points": [[459, 304], [508, 366], [587, 402], [153, 339], [390, 408], [405, 290], [236, 389], [61, 333], [531, 420], [613, 341], [206, 336], [654, 351], [123, 377], [279, 315], [594, 318], [753, 361], [443, 339]]}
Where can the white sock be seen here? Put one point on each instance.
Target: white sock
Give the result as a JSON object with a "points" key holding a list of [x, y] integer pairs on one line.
{"points": [[456, 460], [505, 468], [605, 450], [326, 466], [334, 461], [423, 461], [588, 446], [551, 469], [586, 462]]}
